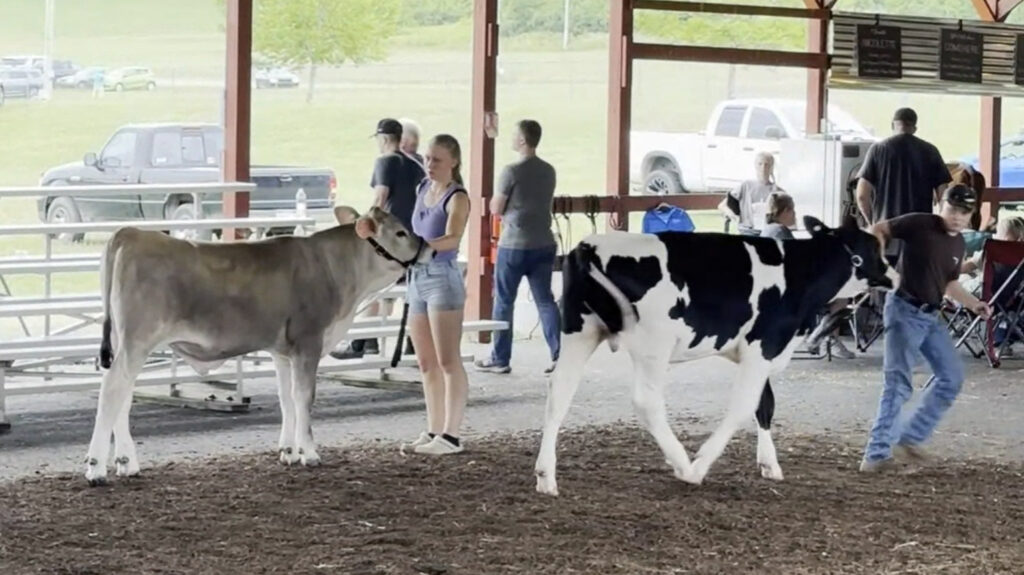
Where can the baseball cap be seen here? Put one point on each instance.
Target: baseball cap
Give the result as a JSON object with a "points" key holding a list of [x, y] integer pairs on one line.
{"points": [[905, 115], [389, 126], [961, 196]]}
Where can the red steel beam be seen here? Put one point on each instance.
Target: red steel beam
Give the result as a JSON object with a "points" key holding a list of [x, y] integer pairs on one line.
{"points": [[991, 129], [730, 9], [620, 104], [708, 54], [817, 43], [237, 110], [480, 268]]}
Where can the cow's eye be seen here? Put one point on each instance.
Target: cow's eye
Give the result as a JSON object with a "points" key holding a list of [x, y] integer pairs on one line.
{"points": [[402, 233]]}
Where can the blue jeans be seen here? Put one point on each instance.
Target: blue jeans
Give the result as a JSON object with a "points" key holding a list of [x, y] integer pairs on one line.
{"points": [[909, 331], [537, 266]]}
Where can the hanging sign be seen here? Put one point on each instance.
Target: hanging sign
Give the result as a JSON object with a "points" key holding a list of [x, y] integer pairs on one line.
{"points": [[960, 56], [879, 51]]}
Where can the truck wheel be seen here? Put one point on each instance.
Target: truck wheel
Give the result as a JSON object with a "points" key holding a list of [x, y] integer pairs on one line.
{"points": [[63, 210], [185, 212], [151, 86], [663, 182]]}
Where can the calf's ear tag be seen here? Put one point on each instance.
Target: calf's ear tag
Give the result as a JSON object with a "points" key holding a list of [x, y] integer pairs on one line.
{"points": [[856, 260]]}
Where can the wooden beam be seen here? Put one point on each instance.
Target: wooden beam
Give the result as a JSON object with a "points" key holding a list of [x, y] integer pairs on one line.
{"points": [[480, 268], [817, 78], [812, 12], [986, 9], [989, 138], [620, 104], [707, 54], [237, 111]]}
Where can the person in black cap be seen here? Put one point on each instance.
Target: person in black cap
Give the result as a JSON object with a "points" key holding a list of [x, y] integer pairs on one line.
{"points": [[929, 267], [394, 181], [901, 174]]}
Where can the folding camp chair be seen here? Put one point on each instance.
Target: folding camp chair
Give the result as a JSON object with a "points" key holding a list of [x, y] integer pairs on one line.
{"points": [[1004, 273], [1003, 289]]}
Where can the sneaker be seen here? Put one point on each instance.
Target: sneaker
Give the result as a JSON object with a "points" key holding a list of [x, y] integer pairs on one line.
{"points": [[550, 369], [423, 439], [878, 466], [839, 350], [490, 366], [439, 446]]}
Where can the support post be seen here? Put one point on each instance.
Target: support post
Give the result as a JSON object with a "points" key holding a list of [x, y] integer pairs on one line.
{"points": [[991, 134], [237, 111], [817, 43], [480, 268], [620, 104]]}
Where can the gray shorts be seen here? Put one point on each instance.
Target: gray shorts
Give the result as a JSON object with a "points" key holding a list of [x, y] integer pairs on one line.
{"points": [[438, 286]]}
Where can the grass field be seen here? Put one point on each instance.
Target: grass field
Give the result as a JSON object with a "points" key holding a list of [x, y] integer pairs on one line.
{"points": [[426, 77]]}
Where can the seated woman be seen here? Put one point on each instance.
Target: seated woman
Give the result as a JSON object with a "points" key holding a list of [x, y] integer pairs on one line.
{"points": [[780, 218], [746, 205], [1008, 230]]}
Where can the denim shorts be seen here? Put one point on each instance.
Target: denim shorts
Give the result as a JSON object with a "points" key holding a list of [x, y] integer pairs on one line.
{"points": [[438, 286]]}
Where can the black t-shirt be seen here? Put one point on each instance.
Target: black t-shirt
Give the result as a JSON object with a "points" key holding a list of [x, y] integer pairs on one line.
{"points": [[401, 175], [931, 257], [904, 170]]}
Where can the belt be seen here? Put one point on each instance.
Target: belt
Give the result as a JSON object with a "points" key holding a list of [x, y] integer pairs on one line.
{"points": [[919, 304]]}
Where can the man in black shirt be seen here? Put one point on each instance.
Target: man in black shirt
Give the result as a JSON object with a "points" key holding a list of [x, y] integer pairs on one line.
{"points": [[929, 267], [901, 174], [395, 179]]}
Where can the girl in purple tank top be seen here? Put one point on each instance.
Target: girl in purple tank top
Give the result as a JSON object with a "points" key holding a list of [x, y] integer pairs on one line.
{"points": [[436, 296]]}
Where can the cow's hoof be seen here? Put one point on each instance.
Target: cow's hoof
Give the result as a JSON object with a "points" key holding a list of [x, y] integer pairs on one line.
{"points": [[97, 481], [310, 459], [288, 456], [126, 467], [546, 483], [771, 472], [695, 474]]}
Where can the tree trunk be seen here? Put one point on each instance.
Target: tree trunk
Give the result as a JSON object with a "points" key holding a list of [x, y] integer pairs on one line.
{"points": [[312, 83]]}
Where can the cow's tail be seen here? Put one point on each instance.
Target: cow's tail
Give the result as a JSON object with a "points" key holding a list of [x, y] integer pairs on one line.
{"points": [[106, 283], [585, 288]]}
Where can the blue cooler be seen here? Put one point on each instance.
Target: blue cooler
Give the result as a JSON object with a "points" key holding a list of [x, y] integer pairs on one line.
{"points": [[666, 218]]}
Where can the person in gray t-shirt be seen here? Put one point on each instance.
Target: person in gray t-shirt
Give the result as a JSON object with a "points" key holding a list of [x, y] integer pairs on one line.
{"points": [[526, 247], [747, 203]]}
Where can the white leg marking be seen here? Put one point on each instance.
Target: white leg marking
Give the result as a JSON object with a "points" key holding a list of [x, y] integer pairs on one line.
{"points": [[286, 448], [115, 391], [767, 461], [745, 396], [124, 446], [651, 369], [576, 349], [303, 393]]}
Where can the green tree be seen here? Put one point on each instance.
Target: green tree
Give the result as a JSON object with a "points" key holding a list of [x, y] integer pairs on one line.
{"points": [[435, 12], [312, 33]]}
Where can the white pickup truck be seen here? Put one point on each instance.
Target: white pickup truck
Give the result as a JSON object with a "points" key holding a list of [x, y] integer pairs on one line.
{"points": [[720, 157]]}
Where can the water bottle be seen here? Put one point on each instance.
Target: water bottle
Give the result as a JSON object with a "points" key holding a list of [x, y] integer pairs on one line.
{"points": [[300, 203]]}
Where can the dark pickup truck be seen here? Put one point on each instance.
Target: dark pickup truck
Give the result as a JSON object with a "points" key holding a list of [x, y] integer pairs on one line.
{"points": [[172, 154]]}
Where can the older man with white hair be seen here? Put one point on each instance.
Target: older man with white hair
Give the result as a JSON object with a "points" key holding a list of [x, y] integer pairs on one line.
{"points": [[410, 143]]}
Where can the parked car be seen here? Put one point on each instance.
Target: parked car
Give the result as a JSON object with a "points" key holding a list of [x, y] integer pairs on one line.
{"points": [[722, 156], [81, 79], [22, 61], [165, 154], [20, 83], [129, 78], [275, 78], [63, 68]]}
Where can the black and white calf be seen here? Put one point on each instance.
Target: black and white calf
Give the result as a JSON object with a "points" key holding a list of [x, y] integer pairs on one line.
{"points": [[676, 297]]}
